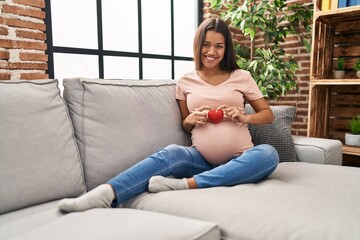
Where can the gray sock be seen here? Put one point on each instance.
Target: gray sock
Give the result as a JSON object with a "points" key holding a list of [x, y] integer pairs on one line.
{"points": [[160, 184], [100, 197]]}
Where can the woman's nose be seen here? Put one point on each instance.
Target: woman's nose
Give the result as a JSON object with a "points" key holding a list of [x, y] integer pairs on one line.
{"points": [[211, 50]]}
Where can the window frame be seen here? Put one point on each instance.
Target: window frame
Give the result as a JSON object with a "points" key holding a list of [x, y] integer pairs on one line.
{"points": [[101, 53]]}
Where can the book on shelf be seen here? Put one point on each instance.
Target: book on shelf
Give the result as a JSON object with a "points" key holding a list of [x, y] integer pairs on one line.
{"points": [[325, 5], [334, 4], [342, 3], [353, 2]]}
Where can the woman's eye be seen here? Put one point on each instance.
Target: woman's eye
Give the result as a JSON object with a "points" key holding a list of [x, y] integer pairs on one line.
{"points": [[219, 46]]}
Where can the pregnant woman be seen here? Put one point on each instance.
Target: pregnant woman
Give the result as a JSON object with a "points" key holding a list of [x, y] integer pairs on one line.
{"points": [[211, 100]]}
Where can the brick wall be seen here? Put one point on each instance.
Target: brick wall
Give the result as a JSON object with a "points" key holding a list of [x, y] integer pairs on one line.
{"points": [[293, 46], [22, 40]]}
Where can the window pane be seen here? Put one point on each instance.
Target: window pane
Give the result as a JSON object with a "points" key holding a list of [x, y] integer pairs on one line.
{"points": [[75, 65], [184, 27], [120, 31], [121, 67], [156, 26], [156, 69], [73, 24], [182, 67]]}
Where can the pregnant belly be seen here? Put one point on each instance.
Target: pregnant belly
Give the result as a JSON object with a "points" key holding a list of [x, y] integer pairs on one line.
{"points": [[218, 143]]}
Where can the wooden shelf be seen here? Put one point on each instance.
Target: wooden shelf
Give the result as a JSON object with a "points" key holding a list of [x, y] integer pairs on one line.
{"points": [[335, 82], [351, 150], [339, 15], [333, 102]]}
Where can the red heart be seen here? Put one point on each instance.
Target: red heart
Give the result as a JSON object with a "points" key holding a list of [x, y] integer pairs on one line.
{"points": [[215, 116]]}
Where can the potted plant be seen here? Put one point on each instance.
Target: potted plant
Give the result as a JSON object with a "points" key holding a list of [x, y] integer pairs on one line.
{"points": [[272, 68], [339, 73], [357, 68], [353, 138]]}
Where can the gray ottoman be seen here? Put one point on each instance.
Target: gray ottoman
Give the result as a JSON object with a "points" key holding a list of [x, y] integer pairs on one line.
{"points": [[46, 222]]}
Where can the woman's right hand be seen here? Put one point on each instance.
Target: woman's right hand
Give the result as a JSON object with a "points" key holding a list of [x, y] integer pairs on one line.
{"points": [[198, 117]]}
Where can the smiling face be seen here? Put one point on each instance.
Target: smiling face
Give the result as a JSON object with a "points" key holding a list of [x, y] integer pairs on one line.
{"points": [[213, 49], [213, 46]]}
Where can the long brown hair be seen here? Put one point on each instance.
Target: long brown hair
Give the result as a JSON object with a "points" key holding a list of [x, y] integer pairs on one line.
{"points": [[228, 63]]}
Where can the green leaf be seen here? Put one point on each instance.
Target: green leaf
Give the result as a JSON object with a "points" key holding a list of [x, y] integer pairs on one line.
{"points": [[252, 34], [252, 64], [215, 3], [242, 24], [255, 66], [247, 31], [243, 8], [307, 45]]}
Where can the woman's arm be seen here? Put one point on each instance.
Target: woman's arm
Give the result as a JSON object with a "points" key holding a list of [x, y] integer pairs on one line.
{"points": [[263, 115], [189, 120]]}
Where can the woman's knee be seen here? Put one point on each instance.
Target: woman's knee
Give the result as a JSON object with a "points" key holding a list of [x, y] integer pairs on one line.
{"points": [[267, 159], [170, 153], [173, 147], [172, 150], [181, 161], [268, 152]]}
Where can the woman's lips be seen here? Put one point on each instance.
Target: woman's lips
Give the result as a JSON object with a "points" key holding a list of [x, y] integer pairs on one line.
{"points": [[210, 59]]}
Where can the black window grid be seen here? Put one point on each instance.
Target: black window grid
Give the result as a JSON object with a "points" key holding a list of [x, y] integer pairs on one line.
{"points": [[100, 52]]}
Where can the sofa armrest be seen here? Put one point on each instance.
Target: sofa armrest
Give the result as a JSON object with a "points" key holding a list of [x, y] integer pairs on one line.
{"points": [[318, 150]]}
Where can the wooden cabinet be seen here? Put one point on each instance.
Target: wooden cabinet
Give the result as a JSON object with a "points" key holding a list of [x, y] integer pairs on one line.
{"points": [[333, 102]]}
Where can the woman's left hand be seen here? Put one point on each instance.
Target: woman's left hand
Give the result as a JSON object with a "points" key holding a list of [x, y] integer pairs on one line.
{"points": [[233, 113]]}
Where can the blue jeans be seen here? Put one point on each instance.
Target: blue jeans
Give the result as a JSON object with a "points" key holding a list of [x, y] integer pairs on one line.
{"points": [[185, 162]]}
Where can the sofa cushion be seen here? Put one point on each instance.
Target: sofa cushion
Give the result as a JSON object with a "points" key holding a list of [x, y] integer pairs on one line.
{"points": [[118, 123], [39, 157], [24, 220], [298, 201], [47, 222], [278, 133]]}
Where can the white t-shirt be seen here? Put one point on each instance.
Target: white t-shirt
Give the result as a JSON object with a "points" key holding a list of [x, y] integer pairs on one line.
{"points": [[220, 142]]}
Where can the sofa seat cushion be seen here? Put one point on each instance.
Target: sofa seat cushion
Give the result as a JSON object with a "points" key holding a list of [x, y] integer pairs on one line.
{"points": [[20, 221], [40, 161], [119, 122], [46, 222], [298, 201]]}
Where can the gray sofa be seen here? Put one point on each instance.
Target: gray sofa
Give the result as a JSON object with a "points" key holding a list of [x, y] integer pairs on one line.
{"points": [[52, 147]]}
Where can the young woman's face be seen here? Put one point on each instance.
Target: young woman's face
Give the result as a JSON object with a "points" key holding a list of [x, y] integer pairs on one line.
{"points": [[213, 49]]}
